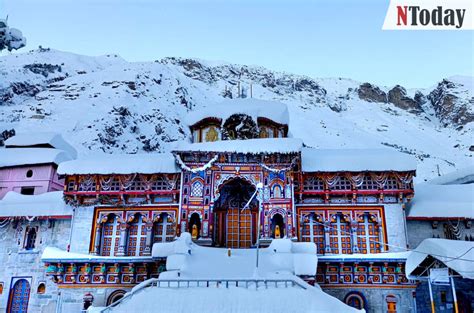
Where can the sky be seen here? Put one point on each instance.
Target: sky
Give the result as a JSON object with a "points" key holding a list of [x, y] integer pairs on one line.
{"points": [[320, 38]]}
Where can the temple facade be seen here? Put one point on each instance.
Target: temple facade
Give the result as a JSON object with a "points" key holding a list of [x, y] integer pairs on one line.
{"points": [[241, 178]]}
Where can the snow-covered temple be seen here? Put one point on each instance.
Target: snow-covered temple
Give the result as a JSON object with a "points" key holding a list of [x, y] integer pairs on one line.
{"points": [[241, 179]]}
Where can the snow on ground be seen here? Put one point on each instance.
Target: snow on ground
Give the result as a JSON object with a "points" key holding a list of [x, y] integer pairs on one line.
{"points": [[232, 300]]}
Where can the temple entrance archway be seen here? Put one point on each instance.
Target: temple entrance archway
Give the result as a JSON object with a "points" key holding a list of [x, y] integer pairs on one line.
{"points": [[278, 226], [235, 227]]}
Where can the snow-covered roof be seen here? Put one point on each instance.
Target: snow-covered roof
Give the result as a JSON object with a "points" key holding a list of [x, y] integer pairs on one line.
{"points": [[252, 146], [275, 111], [355, 160], [442, 201], [461, 176], [42, 205], [383, 256], [52, 254], [31, 156], [121, 164], [458, 255], [30, 140]]}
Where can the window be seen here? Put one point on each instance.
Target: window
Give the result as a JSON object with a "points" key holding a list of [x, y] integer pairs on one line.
{"points": [[27, 191], [391, 304], [163, 230], [87, 184], [30, 239], [355, 300], [136, 237], [114, 185], [29, 173], [110, 236], [41, 288], [160, 184], [136, 185], [392, 183], [342, 184], [115, 296], [339, 235], [277, 192], [368, 235], [70, 185], [313, 184], [313, 231], [196, 189], [443, 296], [368, 184]]}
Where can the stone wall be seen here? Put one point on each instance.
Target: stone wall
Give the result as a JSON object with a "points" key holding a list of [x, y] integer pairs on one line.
{"points": [[18, 262], [420, 230], [376, 298], [444, 303], [82, 227]]}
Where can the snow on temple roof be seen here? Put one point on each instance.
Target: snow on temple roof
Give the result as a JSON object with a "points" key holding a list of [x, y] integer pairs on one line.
{"points": [[121, 164], [460, 176], [252, 146], [355, 160], [442, 201], [275, 111], [42, 205], [383, 256], [31, 156], [52, 254], [458, 255], [31, 140]]}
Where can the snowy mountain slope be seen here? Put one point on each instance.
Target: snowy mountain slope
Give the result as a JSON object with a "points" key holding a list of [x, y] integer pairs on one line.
{"points": [[106, 103]]}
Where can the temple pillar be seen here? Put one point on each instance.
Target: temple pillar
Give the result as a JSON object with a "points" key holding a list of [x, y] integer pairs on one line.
{"points": [[97, 239], [122, 248], [327, 245], [355, 246], [148, 238]]}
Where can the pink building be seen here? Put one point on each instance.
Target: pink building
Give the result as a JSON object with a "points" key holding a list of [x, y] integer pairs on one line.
{"points": [[28, 163]]}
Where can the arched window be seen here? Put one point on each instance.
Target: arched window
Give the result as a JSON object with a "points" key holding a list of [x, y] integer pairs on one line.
{"points": [[368, 183], [368, 234], [110, 236], [342, 184], [136, 236], [313, 231], [313, 184], [164, 229], [115, 296], [197, 189], [355, 300], [41, 288], [340, 235], [30, 239], [391, 304], [277, 192]]}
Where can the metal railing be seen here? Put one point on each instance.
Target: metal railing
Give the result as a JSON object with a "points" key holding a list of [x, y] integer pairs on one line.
{"points": [[212, 283]]}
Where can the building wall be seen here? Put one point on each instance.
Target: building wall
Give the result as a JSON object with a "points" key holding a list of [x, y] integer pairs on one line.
{"points": [[376, 298], [82, 227], [445, 304], [418, 230], [44, 179], [17, 262], [71, 299]]}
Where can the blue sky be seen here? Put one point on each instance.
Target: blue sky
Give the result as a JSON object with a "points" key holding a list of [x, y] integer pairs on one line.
{"points": [[321, 38]]}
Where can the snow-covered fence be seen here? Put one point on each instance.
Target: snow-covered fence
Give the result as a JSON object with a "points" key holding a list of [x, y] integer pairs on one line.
{"points": [[210, 283]]}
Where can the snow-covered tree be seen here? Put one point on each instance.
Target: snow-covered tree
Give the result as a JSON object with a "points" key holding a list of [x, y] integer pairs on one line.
{"points": [[10, 38]]}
